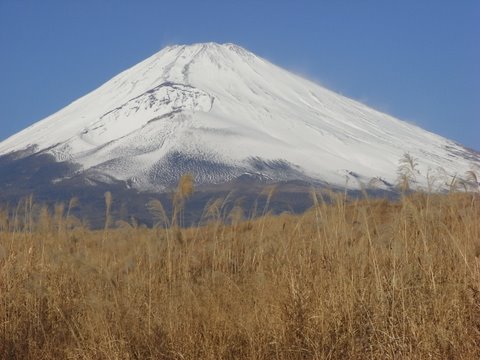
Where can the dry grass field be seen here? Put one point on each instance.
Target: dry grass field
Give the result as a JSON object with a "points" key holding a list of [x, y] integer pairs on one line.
{"points": [[352, 279]]}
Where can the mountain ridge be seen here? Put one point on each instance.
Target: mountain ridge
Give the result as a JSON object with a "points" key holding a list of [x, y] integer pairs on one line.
{"points": [[221, 112]]}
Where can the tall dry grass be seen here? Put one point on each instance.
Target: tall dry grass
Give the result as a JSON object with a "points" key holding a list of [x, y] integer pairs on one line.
{"points": [[346, 280]]}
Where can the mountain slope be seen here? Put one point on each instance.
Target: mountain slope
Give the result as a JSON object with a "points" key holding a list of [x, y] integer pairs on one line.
{"points": [[221, 112]]}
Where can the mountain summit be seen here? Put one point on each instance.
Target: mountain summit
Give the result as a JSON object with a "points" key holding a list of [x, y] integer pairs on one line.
{"points": [[220, 112]]}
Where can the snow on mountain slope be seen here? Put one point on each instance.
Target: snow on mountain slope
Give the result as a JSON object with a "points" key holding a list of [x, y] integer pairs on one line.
{"points": [[219, 111]]}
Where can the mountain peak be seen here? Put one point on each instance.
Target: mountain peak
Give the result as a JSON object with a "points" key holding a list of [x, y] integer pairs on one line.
{"points": [[215, 51], [208, 45]]}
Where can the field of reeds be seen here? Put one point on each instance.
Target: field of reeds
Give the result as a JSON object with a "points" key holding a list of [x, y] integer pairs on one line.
{"points": [[349, 279]]}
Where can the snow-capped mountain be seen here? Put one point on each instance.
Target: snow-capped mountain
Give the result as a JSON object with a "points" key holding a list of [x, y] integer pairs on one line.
{"points": [[220, 112]]}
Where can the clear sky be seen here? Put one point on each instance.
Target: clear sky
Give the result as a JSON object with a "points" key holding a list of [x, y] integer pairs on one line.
{"points": [[417, 60]]}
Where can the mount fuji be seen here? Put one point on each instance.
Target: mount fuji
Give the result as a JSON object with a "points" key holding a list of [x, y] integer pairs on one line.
{"points": [[221, 113]]}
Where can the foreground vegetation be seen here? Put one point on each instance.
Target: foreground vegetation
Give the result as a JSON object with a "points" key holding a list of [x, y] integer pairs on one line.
{"points": [[348, 279]]}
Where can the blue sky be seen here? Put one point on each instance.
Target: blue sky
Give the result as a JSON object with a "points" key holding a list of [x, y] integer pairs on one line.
{"points": [[417, 60]]}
